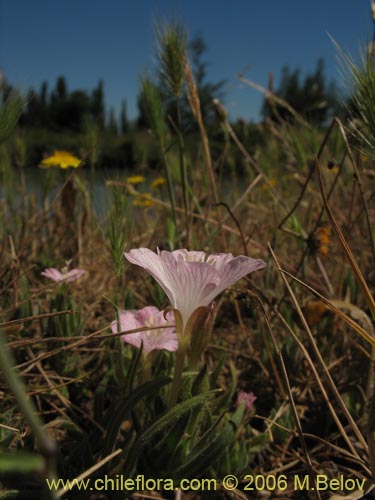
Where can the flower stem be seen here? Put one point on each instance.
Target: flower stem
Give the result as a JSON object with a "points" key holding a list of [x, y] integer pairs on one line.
{"points": [[178, 368], [146, 367]]}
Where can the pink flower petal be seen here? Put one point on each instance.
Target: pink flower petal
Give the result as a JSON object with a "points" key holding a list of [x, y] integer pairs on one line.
{"points": [[162, 338], [56, 275], [52, 273], [151, 262], [189, 280], [127, 322], [73, 274], [247, 397]]}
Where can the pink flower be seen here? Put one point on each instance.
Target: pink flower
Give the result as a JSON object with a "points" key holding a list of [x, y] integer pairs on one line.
{"points": [[162, 338], [55, 275], [189, 279], [247, 397]]}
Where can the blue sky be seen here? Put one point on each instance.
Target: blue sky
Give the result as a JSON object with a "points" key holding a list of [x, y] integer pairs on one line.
{"points": [[113, 40]]}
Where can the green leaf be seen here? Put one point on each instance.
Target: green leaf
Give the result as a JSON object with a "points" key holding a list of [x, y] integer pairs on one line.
{"points": [[198, 418], [171, 232], [20, 463], [225, 399], [124, 409], [133, 369], [216, 371], [214, 442], [168, 450], [21, 495], [201, 458], [201, 382], [166, 421]]}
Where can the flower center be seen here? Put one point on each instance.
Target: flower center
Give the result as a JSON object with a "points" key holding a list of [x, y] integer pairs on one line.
{"points": [[193, 258], [151, 323]]}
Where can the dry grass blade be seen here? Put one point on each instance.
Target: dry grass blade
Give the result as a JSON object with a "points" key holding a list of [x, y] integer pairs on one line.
{"points": [[13, 322], [320, 359], [355, 495], [353, 263], [244, 195], [309, 175], [271, 96], [88, 472], [323, 443], [194, 215], [78, 341], [332, 307], [225, 205], [13, 429], [322, 389], [254, 165], [291, 399], [195, 106]]}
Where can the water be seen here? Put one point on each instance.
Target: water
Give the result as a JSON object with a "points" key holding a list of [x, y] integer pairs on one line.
{"points": [[42, 185]]}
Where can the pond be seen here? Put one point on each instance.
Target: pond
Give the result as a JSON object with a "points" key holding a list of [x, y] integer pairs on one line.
{"points": [[41, 186]]}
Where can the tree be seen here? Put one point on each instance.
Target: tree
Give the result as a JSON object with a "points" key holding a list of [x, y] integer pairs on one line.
{"points": [[97, 104], [124, 123], [64, 110], [60, 92], [112, 122], [43, 94], [312, 98]]}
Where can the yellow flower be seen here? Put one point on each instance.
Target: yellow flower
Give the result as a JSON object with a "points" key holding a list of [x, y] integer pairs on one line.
{"points": [[143, 201], [159, 181], [135, 179], [62, 159]]}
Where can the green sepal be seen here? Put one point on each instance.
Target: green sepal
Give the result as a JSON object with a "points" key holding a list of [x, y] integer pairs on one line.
{"points": [[198, 332]]}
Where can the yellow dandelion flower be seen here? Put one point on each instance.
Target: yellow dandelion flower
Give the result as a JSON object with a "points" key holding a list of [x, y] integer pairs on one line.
{"points": [[62, 159], [135, 179], [143, 201], [159, 181]]}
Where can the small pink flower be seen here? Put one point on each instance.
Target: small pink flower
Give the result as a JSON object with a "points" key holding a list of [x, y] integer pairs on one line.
{"points": [[190, 279], [247, 397], [55, 275], [153, 340]]}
